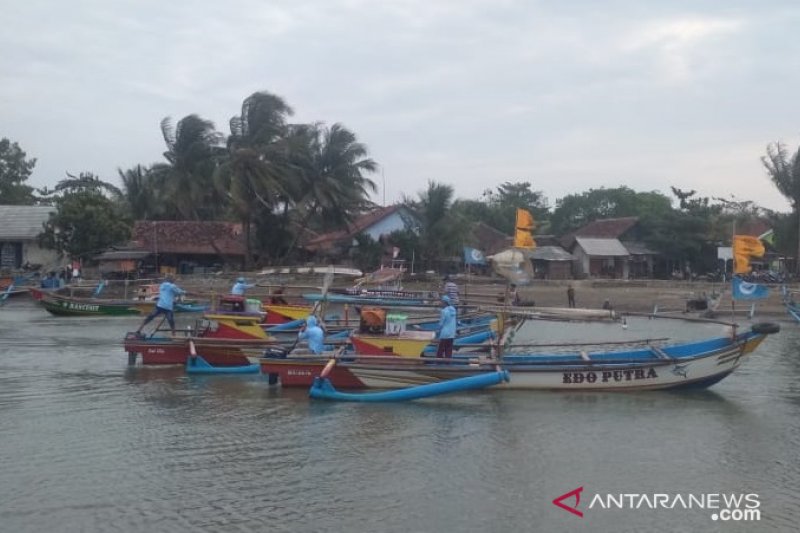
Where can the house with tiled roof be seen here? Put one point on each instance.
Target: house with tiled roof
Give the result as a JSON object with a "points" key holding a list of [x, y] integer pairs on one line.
{"points": [[20, 225], [610, 248], [376, 223], [184, 246]]}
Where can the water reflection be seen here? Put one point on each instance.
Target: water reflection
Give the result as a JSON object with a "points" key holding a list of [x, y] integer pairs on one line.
{"points": [[92, 445]]}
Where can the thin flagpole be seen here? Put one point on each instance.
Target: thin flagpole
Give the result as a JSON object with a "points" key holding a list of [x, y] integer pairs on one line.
{"points": [[733, 296]]}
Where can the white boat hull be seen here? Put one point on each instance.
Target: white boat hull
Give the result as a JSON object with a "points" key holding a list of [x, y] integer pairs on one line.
{"points": [[697, 371]]}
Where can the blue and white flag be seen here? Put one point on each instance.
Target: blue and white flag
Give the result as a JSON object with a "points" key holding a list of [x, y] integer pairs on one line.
{"points": [[473, 256], [743, 290]]}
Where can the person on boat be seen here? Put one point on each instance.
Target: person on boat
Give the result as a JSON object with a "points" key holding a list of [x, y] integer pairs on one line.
{"points": [[513, 296], [446, 331], [240, 287], [277, 297], [167, 292], [313, 334], [451, 290]]}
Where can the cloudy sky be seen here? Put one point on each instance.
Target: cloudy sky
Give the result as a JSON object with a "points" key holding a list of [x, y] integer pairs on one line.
{"points": [[568, 95]]}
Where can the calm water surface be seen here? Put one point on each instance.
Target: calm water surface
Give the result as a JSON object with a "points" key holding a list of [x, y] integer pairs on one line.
{"points": [[90, 445]]}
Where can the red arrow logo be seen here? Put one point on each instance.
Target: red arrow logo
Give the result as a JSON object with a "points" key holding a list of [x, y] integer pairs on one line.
{"points": [[559, 501]]}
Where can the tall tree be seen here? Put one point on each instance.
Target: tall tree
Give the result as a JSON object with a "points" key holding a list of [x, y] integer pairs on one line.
{"points": [[497, 208], [15, 169], [87, 219], [784, 171], [440, 230], [186, 179], [141, 193], [576, 210], [331, 187], [253, 175]]}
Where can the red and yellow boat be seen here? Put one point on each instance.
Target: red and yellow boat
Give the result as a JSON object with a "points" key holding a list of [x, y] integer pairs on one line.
{"points": [[405, 344], [224, 339], [284, 313]]}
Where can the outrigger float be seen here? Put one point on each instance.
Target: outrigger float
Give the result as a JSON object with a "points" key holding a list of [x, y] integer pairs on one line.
{"points": [[196, 364], [323, 389]]}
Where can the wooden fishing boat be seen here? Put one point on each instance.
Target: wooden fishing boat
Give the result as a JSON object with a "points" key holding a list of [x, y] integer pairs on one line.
{"points": [[792, 307], [225, 339], [382, 299], [682, 365], [77, 306]]}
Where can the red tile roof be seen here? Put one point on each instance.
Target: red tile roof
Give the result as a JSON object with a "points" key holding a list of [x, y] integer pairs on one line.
{"points": [[604, 228], [607, 228], [188, 237], [489, 240], [753, 227]]}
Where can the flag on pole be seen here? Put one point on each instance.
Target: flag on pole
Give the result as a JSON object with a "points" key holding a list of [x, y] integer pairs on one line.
{"points": [[523, 237], [745, 247], [743, 290], [524, 220], [768, 237], [473, 256]]}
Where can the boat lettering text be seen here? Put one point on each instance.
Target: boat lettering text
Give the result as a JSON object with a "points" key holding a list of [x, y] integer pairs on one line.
{"points": [[298, 373], [81, 307], [604, 376]]}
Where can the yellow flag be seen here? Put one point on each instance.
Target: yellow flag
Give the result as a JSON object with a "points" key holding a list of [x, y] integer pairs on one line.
{"points": [[745, 247], [741, 264], [524, 239], [524, 220], [746, 244]]}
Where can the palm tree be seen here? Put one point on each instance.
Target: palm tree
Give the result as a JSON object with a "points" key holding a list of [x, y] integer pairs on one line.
{"points": [[330, 187], [86, 182], [252, 176], [440, 233], [193, 150], [785, 174], [141, 193]]}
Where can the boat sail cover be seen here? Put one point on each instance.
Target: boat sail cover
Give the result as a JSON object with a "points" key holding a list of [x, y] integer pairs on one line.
{"points": [[514, 264]]}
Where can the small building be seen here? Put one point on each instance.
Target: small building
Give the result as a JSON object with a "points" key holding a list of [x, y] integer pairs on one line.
{"points": [[552, 262], [20, 226], [642, 259], [376, 224], [610, 248], [601, 258], [187, 247], [123, 262]]}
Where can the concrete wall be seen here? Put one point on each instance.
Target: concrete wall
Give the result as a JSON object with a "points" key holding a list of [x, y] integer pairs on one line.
{"points": [[33, 254]]}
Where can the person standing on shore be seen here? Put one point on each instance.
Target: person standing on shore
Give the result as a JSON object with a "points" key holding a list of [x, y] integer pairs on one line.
{"points": [[167, 292], [447, 328], [570, 296]]}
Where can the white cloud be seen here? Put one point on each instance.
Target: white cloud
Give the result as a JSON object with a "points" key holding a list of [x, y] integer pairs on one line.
{"points": [[571, 96]]}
